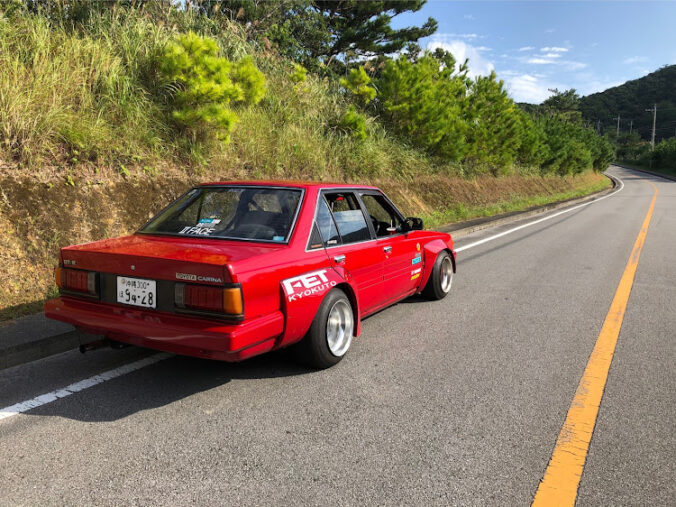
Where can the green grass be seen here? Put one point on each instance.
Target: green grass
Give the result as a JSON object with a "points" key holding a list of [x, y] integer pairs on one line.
{"points": [[462, 212]]}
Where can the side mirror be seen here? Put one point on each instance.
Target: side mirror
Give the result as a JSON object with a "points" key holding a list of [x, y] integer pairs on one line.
{"points": [[414, 223], [391, 230]]}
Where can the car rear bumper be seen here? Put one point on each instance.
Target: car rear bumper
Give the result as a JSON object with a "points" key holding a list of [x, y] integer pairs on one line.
{"points": [[179, 334]]}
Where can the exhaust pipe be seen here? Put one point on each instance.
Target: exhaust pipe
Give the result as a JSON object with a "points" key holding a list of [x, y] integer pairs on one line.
{"points": [[104, 342], [86, 347]]}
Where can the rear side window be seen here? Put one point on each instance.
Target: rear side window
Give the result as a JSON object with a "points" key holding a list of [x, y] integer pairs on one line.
{"points": [[348, 217], [327, 226]]}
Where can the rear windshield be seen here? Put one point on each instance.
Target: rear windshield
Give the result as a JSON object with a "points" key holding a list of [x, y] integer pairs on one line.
{"points": [[252, 213]]}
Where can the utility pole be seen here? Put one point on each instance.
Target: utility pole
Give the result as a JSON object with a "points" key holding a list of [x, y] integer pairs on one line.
{"points": [[654, 112], [618, 125], [631, 125], [598, 126]]}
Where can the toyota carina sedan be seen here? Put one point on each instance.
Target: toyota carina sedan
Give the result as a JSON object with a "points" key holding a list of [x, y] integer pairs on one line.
{"points": [[232, 270]]}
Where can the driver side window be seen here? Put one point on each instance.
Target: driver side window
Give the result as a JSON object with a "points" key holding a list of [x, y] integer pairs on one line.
{"points": [[382, 214]]}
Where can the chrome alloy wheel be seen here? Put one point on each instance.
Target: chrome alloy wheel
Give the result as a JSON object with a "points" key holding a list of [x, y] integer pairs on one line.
{"points": [[446, 273], [339, 327]]}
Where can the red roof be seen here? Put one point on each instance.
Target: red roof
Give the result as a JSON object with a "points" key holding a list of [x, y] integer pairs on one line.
{"points": [[297, 184]]}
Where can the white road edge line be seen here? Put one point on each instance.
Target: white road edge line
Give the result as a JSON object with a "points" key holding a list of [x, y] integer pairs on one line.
{"points": [[534, 222], [44, 399]]}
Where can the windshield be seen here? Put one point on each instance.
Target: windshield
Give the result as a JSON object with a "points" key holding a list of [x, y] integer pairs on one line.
{"points": [[253, 213]]}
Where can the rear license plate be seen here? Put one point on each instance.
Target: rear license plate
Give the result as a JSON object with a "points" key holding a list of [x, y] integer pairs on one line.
{"points": [[136, 292]]}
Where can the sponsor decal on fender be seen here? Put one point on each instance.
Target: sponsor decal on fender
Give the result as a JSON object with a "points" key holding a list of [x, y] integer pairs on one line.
{"points": [[306, 285], [417, 259]]}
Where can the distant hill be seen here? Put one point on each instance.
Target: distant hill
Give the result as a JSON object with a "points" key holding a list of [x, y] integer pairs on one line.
{"points": [[631, 100]]}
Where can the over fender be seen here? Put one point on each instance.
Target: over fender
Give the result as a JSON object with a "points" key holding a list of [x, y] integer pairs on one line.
{"points": [[301, 296]]}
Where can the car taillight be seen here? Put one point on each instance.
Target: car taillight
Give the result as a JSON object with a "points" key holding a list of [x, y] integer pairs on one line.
{"points": [[209, 299], [76, 280]]}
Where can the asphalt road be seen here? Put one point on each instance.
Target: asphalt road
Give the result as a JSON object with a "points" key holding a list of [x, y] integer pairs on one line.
{"points": [[455, 402]]}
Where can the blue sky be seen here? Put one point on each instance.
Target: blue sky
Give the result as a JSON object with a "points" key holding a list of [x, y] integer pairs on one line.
{"points": [[537, 45]]}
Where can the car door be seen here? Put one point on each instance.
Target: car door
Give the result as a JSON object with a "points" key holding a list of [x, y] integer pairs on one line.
{"points": [[403, 257], [350, 245]]}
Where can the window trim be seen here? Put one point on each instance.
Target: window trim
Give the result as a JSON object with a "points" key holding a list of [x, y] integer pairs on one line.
{"points": [[394, 207], [356, 192], [287, 239]]}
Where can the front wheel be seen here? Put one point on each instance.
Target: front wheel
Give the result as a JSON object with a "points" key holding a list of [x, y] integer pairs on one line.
{"points": [[331, 332], [441, 278]]}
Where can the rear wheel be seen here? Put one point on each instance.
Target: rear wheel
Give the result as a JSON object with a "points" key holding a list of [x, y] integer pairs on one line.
{"points": [[441, 278], [331, 332]]}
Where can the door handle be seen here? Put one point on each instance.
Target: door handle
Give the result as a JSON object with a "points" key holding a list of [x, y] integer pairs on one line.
{"points": [[339, 258], [387, 249]]}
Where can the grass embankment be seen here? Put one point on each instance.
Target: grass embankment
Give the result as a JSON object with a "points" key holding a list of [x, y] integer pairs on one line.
{"points": [[87, 149]]}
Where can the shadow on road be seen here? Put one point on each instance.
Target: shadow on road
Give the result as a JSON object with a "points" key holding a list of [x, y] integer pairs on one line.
{"points": [[165, 383]]}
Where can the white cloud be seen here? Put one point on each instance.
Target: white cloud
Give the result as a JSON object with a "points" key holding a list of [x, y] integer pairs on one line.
{"points": [[443, 37], [469, 17], [573, 65], [478, 65], [550, 30], [526, 48], [551, 55], [553, 49], [483, 48], [526, 87], [539, 61], [635, 59]]}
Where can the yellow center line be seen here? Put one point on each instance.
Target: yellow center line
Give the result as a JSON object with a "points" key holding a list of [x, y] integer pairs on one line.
{"points": [[562, 477]]}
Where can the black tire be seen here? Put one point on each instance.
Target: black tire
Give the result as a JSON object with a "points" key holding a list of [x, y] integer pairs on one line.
{"points": [[315, 349], [438, 286]]}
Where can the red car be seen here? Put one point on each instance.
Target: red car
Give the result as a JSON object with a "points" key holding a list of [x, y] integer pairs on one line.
{"points": [[232, 270]]}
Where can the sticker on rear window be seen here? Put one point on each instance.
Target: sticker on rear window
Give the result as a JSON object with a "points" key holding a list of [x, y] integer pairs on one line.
{"points": [[197, 231], [277, 238]]}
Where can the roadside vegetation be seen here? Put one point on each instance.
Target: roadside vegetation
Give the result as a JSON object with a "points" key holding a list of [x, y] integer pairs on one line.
{"points": [[110, 109]]}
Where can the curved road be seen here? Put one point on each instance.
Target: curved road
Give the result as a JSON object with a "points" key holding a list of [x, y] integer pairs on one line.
{"points": [[456, 402]]}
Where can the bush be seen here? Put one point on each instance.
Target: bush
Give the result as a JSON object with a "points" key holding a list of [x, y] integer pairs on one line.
{"points": [[358, 82], [664, 155], [353, 123], [204, 85], [299, 74]]}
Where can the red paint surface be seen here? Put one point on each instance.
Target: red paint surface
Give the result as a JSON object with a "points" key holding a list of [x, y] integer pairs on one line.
{"points": [[371, 276]]}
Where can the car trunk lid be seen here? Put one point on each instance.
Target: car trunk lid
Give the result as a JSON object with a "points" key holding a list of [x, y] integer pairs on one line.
{"points": [[167, 258]]}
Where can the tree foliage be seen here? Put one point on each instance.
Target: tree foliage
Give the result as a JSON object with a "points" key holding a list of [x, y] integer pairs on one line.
{"points": [[423, 101], [495, 127], [325, 31], [205, 85]]}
